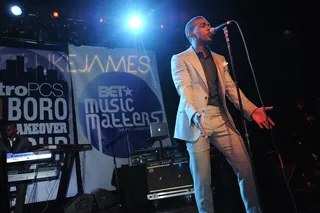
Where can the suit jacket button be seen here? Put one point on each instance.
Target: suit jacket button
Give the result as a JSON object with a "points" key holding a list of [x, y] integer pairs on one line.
{"points": [[206, 98]]}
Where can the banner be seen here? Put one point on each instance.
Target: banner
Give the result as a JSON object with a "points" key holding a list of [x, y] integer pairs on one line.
{"points": [[35, 94], [117, 96]]}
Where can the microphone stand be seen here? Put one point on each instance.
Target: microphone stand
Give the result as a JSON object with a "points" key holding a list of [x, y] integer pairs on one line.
{"points": [[111, 144], [244, 123]]}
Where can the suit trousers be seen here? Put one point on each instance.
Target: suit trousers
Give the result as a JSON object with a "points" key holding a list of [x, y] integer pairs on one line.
{"points": [[228, 141]]}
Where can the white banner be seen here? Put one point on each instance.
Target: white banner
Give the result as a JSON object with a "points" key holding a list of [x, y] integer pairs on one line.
{"points": [[114, 90]]}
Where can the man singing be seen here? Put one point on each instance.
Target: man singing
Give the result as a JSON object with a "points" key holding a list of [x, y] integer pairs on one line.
{"points": [[202, 80]]}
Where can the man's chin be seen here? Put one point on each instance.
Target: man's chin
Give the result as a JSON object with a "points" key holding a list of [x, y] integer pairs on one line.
{"points": [[205, 42], [209, 41]]}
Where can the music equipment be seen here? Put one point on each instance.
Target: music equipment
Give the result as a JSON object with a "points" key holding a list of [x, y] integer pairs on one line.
{"points": [[64, 147], [38, 174], [81, 203], [175, 154], [29, 156], [167, 178], [71, 151], [144, 156], [158, 131], [104, 199], [40, 153], [44, 151], [214, 30], [133, 188]]}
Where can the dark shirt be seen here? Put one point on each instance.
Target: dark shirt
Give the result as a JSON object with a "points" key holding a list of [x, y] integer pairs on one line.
{"points": [[210, 71]]}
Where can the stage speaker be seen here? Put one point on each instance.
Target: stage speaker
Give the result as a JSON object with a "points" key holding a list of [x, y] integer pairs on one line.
{"points": [[104, 199], [81, 203], [132, 188], [168, 179]]}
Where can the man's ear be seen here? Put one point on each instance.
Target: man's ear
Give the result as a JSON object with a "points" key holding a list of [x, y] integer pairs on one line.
{"points": [[192, 35]]}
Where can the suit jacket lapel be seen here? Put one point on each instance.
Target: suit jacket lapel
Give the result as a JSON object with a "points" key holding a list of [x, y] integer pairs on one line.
{"points": [[193, 58]]}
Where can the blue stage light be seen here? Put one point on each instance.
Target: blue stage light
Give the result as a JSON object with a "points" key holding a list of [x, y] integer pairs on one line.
{"points": [[135, 23], [16, 10]]}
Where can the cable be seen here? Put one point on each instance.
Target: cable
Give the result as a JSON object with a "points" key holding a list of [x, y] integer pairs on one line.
{"points": [[33, 193], [48, 193], [46, 200], [52, 189], [262, 104]]}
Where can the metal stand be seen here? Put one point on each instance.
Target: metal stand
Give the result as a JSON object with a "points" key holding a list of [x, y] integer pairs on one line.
{"points": [[244, 123], [116, 172], [160, 139]]}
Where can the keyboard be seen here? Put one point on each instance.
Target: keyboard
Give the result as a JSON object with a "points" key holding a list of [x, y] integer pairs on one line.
{"points": [[29, 156], [64, 148], [42, 173]]}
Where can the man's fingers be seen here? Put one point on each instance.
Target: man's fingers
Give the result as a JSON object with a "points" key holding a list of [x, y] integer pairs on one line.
{"points": [[271, 122], [266, 125], [204, 132], [268, 108], [199, 125]]}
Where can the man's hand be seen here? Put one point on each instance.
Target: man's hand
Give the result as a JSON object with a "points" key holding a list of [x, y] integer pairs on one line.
{"points": [[261, 119], [196, 119]]}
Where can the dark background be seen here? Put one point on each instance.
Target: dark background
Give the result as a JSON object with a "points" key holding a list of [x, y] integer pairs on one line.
{"points": [[281, 36]]}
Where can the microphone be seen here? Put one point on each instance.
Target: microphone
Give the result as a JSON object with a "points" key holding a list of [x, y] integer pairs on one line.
{"points": [[214, 30]]}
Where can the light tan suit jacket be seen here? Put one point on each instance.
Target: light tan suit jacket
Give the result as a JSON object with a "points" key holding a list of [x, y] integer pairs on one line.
{"points": [[191, 84]]}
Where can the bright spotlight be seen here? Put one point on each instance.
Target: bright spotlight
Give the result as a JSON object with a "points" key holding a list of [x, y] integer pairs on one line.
{"points": [[16, 10], [135, 22]]}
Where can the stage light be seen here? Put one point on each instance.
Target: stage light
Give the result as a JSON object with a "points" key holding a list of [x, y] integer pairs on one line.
{"points": [[55, 14], [161, 26], [16, 10], [135, 22], [101, 20]]}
